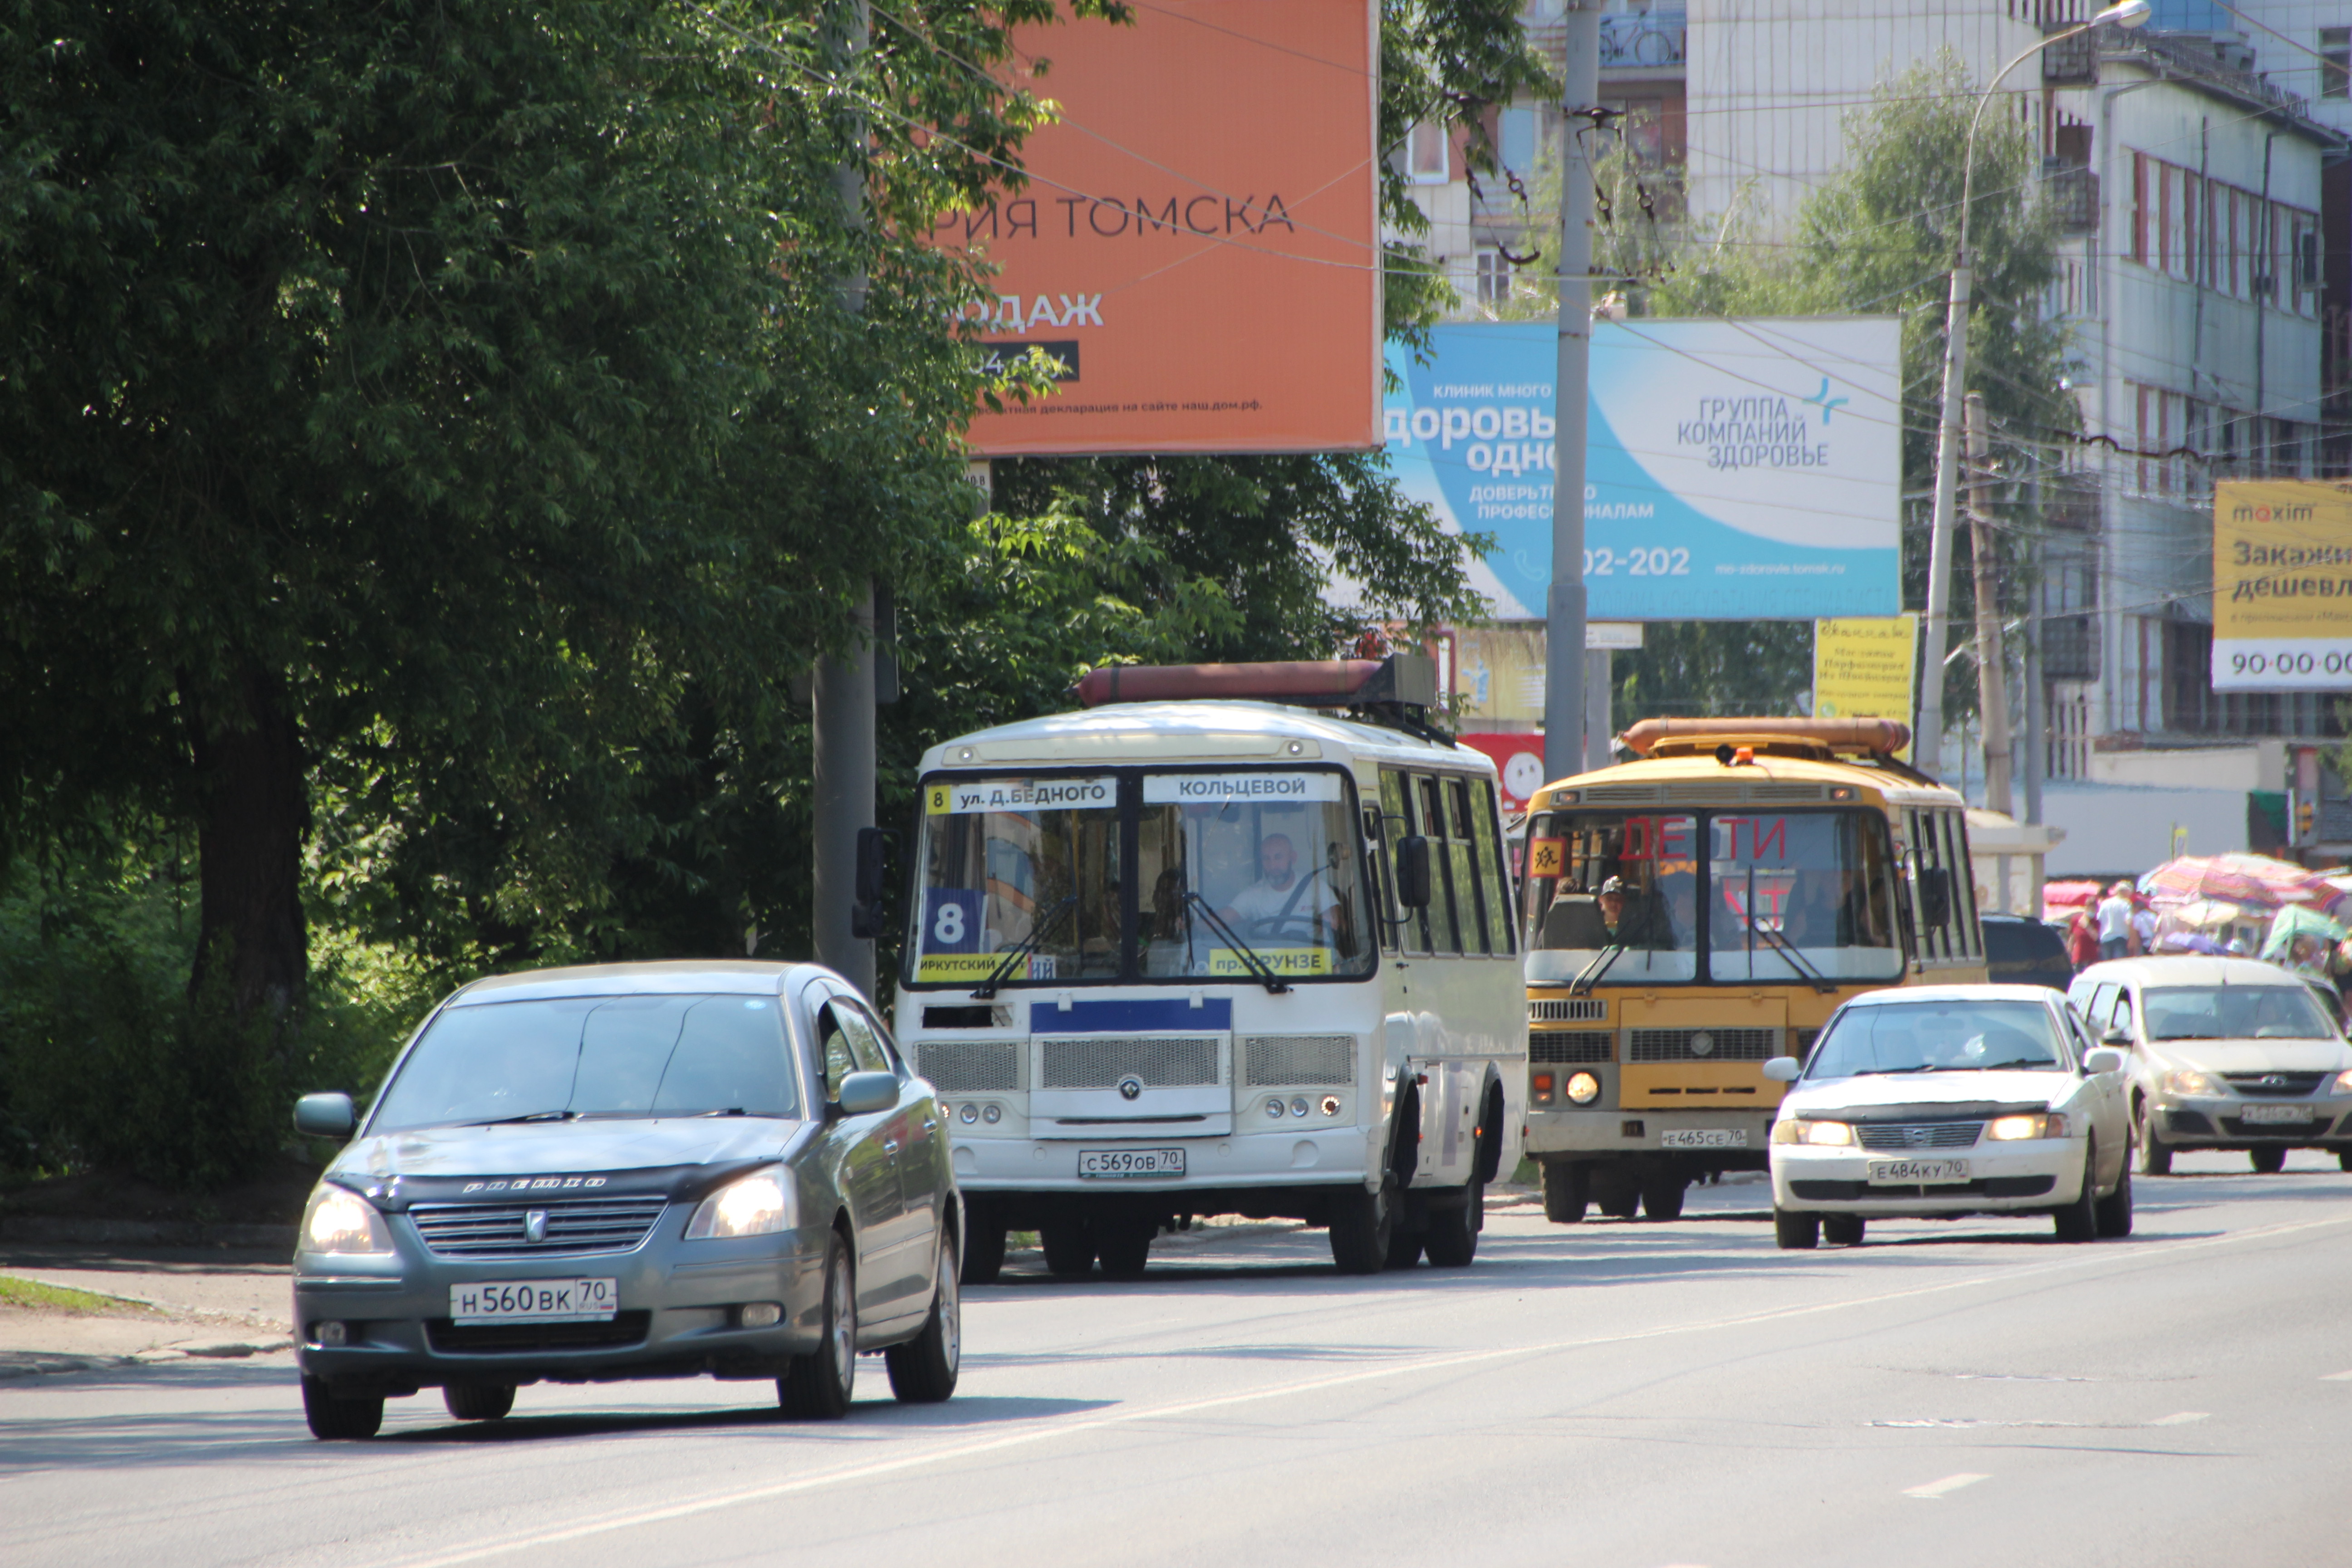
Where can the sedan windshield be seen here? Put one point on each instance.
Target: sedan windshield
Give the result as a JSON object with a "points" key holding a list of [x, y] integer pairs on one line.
{"points": [[1938, 1037], [2234, 1012], [552, 1059]]}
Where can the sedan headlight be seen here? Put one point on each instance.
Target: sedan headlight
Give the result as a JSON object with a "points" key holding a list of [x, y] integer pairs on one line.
{"points": [[2189, 1080], [1835, 1134], [2344, 1083], [342, 1222], [2034, 1124], [760, 1205]]}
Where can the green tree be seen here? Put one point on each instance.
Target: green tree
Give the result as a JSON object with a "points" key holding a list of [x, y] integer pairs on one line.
{"points": [[450, 414]]}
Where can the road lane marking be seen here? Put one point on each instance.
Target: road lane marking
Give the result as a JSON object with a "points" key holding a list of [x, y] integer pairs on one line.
{"points": [[539, 1539], [1932, 1490], [2179, 1418], [2337, 1377]]}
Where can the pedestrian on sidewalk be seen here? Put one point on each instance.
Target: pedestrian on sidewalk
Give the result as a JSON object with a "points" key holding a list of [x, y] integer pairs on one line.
{"points": [[2115, 918]]}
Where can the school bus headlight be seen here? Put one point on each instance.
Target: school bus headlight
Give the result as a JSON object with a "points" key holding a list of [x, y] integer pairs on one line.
{"points": [[1331, 1105], [1834, 1134], [1582, 1088]]}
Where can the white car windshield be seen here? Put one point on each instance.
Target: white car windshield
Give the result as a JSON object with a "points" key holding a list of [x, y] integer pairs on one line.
{"points": [[556, 1059], [1938, 1037], [2234, 1012]]}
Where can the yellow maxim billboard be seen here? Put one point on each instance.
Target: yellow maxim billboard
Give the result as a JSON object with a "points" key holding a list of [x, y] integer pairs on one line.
{"points": [[1197, 247], [1862, 667], [2282, 585]]}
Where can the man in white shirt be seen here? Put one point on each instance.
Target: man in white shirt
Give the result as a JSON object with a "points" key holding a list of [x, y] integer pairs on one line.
{"points": [[1281, 905], [2115, 922]]}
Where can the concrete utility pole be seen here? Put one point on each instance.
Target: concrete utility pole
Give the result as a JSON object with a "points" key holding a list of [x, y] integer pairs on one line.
{"points": [[1565, 697], [1992, 674], [841, 796]]}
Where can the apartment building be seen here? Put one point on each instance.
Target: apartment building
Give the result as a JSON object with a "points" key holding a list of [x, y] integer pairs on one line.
{"points": [[2201, 172]]}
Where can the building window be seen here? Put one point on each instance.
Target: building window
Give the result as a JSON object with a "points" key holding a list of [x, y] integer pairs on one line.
{"points": [[2335, 62], [1494, 278], [1426, 153], [1516, 134]]}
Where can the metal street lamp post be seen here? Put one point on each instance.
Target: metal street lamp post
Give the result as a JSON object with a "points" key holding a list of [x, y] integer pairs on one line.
{"points": [[2125, 14]]}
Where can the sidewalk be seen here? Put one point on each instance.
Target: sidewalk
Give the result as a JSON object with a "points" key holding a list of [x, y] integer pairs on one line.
{"points": [[140, 1305]]}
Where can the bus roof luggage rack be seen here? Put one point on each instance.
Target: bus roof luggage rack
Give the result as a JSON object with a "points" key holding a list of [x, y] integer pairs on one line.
{"points": [[1819, 738], [1398, 690]]}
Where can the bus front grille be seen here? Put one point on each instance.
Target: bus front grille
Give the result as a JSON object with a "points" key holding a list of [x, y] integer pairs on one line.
{"points": [[1571, 1045], [1703, 1045], [1569, 1010], [1162, 1061], [1317, 1060], [970, 1067]]}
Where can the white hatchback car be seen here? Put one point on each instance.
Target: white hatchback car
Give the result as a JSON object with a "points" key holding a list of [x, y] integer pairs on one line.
{"points": [[1941, 1100], [2226, 1053]]}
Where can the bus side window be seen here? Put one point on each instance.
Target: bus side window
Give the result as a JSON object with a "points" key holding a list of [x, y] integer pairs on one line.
{"points": [[1927, 855], [1406, 930], [1429, 820], [1970, 934], [1494, 877], [1470, 894]]}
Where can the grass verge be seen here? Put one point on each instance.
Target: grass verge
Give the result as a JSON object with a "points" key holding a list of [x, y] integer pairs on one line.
{"points": [[33, 1296]]}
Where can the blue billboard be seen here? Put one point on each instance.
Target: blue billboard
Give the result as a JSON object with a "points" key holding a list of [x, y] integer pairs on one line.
{"points": [[1735, 470]]}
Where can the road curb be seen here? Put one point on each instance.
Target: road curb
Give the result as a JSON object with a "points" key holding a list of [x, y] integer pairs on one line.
{"points": [[17, 1364], [142, 1232]]}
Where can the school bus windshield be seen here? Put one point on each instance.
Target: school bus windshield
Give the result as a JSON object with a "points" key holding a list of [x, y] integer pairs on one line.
{"points": [[1662, 897]]}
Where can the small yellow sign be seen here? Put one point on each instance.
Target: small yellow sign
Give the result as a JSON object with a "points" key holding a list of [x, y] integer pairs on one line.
{"points": [[938, 800], [1225, 964], [1546, 856], [967, 966], [1862, 668]]}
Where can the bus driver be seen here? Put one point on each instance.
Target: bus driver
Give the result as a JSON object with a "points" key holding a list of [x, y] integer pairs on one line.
{"points": [[1281, 902]]}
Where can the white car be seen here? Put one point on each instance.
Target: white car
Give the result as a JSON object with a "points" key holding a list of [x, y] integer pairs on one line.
{"points": [[2226, 1053], [1936, 1101]]}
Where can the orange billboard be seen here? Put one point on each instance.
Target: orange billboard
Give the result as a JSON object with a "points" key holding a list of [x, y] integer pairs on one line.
{"points": [[1197, 247]]}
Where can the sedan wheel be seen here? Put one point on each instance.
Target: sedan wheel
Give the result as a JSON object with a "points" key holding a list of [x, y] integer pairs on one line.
{"points": [[2153, 1158], [2268, 1162], [332, 1417], [819, 1386], [923, 1370], [479, 1401], [2115, 1210], [1796, 1232], [2079, 1220], [1842, 1229]]}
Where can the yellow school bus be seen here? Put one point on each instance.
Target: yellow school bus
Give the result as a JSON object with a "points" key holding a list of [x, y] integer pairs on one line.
{"points": [[1704, 907]]}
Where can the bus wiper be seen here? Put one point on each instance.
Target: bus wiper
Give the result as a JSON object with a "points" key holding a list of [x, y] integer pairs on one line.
{"points": [[529, 1116], [1038, 932], [1788, 950], [1590, 975], [1262, 972]]}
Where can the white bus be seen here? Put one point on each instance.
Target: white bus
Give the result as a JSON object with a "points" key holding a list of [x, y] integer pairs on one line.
{"points": [[1200, 949]]}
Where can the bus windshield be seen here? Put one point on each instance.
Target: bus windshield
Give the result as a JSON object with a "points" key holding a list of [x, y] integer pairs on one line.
{"points": [[1624, 898], [1237, 873]]}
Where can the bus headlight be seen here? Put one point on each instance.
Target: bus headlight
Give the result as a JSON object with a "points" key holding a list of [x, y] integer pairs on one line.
{"points": [[992, 1115], [1331, 1105], [1274, 1111], [1582, 1088]]}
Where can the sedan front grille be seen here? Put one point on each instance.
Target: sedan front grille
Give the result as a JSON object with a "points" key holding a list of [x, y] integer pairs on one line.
{"points": [[511, 1338], [1571, 1045], [2275, 1085], [575, 1226], [1703, 1045], [1162, 1061], [1904, 1135]]}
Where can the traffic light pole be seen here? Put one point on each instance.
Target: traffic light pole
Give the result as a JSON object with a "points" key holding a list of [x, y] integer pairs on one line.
{"points": [[1565, 697]]}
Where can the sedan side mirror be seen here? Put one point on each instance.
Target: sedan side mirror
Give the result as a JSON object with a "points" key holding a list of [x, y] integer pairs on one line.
{"points": [[2103, 1060], [1413, 871], [2118, 1035], [1783, 1070], [325, 1115], [864, 1093]]}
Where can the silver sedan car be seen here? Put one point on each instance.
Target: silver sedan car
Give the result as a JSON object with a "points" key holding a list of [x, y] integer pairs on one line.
{"points": [[631, 1170]]}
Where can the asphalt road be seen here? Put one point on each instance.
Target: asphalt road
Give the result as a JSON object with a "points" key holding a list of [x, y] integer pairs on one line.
{"points": [[1618, 1393]]}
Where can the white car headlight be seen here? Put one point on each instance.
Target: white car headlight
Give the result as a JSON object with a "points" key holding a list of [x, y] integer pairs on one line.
{"points": [[1796, 1129], [761, 1203], [2034, 1124], [2344, 1083], [342, 1222], [2189, 1080]]}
